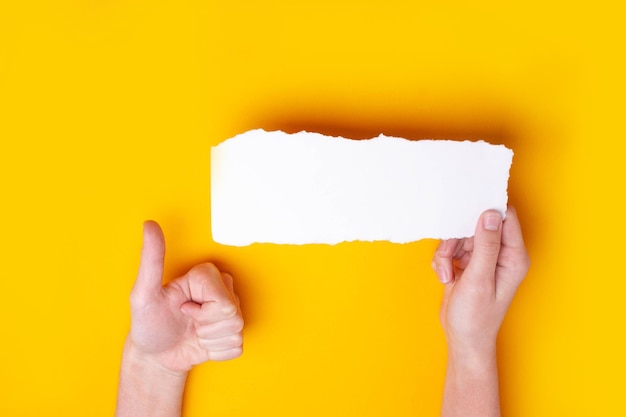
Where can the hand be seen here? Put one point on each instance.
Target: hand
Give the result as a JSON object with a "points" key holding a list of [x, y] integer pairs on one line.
{"points": [[481, 275], [190, 320]]}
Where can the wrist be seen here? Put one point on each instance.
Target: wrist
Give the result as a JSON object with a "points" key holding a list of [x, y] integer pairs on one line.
{"points": [[472, 359], [147, 388], [149, 364], [471, 387], [475, 364]]}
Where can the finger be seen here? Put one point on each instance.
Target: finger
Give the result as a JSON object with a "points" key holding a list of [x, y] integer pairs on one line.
{"points": [[150, 275], [210, 311], [226, 354], [220, 329], [237, 300], [443, 260], [481, 268], [512, 232], [223, 343], [447, 248], [461, 262], [228, 281], [462, 254], [514, 261], [443, 310], [206, 283], [464, 247], [513, 254]]}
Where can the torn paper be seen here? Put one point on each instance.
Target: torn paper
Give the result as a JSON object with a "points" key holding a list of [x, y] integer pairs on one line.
{"points": [[301, 188]]}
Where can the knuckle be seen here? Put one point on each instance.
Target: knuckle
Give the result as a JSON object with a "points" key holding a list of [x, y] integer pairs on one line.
{"points": [[237, 352], [227, 278], [236, 340], [204, 270], [229, 311], [490, 246], [232, 353], [224, 356], [236, 324], [213, 312]]}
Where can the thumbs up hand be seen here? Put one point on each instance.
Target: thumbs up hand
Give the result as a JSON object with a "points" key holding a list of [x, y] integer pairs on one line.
{"points": [[193, 319]]}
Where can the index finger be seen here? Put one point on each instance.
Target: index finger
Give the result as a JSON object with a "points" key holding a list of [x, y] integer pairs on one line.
{"points": [[512, 231], [211, 299], [206, 284], [443, 260], [514, 261]]}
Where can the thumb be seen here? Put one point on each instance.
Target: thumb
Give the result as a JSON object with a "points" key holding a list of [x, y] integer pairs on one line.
{"points": [[482, 265], [150, 275]]}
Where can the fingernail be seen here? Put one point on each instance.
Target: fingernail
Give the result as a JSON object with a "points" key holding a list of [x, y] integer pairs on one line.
{"points": [[492, 222], [443, 275]]}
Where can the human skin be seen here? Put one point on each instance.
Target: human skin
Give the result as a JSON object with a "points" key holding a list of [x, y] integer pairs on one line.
{"points": [[481, 276], [197, 317], [190, 320]]}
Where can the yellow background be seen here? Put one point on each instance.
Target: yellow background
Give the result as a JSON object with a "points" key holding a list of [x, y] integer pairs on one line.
{"points": [[108, 110]]}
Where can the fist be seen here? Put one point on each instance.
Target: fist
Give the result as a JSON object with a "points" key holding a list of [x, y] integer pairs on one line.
{"points": [[192, 319]]}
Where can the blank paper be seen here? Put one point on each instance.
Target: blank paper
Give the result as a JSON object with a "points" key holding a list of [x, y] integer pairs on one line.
{"points": [[274, 187]]}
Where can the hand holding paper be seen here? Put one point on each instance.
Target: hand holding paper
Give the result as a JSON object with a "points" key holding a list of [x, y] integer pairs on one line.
{"points": [[482, 275]]}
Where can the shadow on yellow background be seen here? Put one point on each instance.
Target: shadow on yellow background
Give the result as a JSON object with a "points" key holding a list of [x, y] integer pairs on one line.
{"points": [[108, 111]]}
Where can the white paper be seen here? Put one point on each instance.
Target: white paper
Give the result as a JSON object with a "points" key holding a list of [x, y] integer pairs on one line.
{"points": [[273, 187]]}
